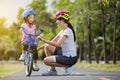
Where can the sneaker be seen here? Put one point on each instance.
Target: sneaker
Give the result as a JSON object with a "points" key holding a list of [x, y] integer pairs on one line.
{"points": [[22, 57], [50, 73], [68, 70], [35, 67]]}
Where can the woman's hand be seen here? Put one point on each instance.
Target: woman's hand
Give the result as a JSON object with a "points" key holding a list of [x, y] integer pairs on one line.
{"points": [[39, 37], [41, 47]]}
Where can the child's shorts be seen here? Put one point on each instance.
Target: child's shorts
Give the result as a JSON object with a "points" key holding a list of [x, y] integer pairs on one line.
{"points": [[33, 48]]}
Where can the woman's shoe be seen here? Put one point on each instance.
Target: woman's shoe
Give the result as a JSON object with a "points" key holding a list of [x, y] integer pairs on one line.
{"points": [[68, 70], [50, 73]]}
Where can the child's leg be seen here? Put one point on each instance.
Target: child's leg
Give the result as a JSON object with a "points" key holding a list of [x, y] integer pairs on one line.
{"points": [[23, 52], [22, 56], [35, 53], [35, 66], [25, 47]]}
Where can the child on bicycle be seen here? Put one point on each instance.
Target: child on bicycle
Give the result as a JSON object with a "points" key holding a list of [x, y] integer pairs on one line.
{"points": [[29, 26]]}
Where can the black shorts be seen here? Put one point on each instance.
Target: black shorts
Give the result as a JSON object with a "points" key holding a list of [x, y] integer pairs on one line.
{"points": [[33, 48], [69, 61]]}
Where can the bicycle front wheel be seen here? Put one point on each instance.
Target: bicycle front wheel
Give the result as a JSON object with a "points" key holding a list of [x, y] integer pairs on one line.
{"points": [[29, 64]]}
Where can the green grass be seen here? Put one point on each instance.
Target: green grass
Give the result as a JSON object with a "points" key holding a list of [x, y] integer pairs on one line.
{"points": [[9, 69], [106, 67]]}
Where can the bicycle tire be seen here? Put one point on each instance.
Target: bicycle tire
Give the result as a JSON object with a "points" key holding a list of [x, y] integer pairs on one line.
{"points": [[29, 65]]}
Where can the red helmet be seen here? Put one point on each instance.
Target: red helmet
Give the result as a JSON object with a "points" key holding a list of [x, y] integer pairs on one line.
{"points": [[61, 13]]}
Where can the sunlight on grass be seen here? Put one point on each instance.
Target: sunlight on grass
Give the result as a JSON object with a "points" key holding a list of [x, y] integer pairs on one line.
{"points": [[106, 67], [9, 69]]}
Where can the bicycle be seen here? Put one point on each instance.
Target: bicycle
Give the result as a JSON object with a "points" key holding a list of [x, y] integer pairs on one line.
{"points": [[28, 59]]}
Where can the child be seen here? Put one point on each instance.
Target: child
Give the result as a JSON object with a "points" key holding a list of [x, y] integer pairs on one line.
{"points": [[28, 17]]}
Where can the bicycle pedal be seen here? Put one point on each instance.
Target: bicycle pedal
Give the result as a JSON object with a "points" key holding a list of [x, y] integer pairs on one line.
{"points": [[21, 60]]}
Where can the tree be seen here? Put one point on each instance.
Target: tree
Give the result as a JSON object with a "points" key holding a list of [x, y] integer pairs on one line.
{"points": [[19, 17], [43, 19], [89, 34], [15, 40], [102, 4], [115, 25], [3, 29], [3, 37]]}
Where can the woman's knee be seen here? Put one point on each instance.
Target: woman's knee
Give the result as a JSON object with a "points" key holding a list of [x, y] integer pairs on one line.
{"points": [[47, 60], [50, 49], [45, 47]]}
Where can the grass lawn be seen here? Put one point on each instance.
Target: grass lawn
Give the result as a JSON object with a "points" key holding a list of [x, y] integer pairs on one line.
{"points": [[7, 69], [106, 67]]}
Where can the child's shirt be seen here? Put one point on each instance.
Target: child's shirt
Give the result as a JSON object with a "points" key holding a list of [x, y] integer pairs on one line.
{"points": [[29, 30]]}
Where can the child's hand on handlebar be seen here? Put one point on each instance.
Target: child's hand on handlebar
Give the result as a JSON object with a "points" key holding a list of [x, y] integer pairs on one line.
{"points": [[39, 37]]}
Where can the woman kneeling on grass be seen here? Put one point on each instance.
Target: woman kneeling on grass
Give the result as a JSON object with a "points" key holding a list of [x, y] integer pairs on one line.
{"points": [[61, 51]]}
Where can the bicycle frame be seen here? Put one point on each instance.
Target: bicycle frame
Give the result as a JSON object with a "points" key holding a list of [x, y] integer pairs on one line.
{"points": [[26, 56], [30, 43], [28, 60]]}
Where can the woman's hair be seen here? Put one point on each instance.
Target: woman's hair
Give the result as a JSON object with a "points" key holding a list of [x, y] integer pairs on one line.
{"points": [[70, 26]]}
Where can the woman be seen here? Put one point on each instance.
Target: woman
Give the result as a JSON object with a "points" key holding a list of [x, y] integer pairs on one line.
{"points": [[61, 51]]}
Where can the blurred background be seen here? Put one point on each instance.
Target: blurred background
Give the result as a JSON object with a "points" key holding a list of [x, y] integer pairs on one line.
{"points": [[96, 22]]}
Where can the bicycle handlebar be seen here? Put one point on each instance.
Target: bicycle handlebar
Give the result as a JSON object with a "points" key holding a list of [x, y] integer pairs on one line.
{"points": [[36, 34], [30, 42]]}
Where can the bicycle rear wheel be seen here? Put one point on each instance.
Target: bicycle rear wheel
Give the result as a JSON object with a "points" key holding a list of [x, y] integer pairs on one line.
{"points": [[29, 64]]}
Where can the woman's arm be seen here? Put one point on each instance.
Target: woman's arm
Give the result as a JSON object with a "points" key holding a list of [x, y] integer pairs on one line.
{"points": [[41, 47], [55, 39], [59, 42]]}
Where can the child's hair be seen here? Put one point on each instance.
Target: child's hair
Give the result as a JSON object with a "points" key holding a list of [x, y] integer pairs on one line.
{"points": [[26, 19]]}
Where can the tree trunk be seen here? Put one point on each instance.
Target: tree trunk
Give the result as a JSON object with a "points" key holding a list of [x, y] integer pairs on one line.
{"points": [[96, 55], [89, 35], [114, 37], [81, 48], [104, 31], [81, 51], [90, 42]]}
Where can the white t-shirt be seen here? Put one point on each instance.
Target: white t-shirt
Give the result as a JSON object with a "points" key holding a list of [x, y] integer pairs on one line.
{"points": [[68, 47]]}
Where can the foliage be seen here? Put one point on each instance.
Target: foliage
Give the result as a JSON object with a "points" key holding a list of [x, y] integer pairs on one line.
{"points": [[3, 29], [80, 11], [43, 19]]}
